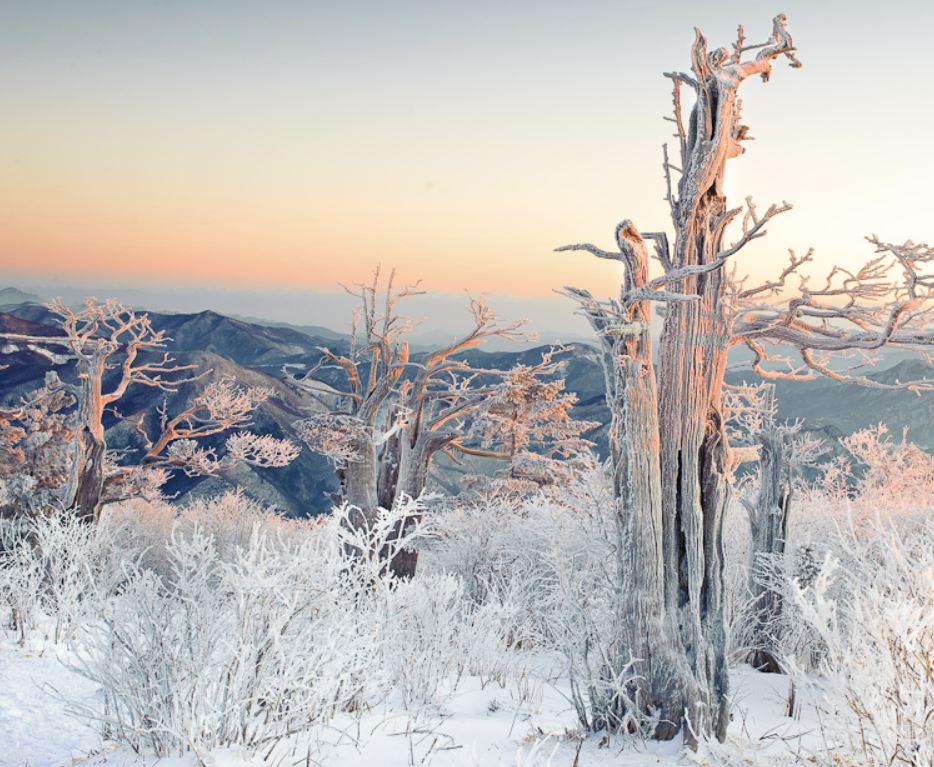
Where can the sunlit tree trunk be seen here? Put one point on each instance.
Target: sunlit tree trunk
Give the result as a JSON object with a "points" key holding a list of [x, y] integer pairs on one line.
{"points": [[85, 488], [694, 464], [674, 510]]}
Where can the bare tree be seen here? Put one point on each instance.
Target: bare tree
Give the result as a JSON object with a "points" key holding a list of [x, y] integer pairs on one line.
{"points": [[672, 502], [390, 415], [116, 347]]}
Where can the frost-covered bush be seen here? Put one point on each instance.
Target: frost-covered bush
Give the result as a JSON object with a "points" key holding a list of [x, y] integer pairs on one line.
{"points": [[146, 526], [885, 482], [874, 615], [433, 634], [55, 573], [424, 640], [218, 637], [857, 586], [557, 556], [239, 649]]}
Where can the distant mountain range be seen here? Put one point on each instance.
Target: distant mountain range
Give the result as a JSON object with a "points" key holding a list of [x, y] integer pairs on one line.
{"points": [[255, 353], [10, 297]]}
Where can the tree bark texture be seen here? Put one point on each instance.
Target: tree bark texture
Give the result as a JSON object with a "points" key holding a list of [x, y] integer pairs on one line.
{"points": [[672, 497]]}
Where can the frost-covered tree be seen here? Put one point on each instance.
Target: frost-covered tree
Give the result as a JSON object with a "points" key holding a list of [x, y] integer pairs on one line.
{"points": [[114, 348], [388, 415], [34, 448], [528, 420], [671, 498], [382, 421]]}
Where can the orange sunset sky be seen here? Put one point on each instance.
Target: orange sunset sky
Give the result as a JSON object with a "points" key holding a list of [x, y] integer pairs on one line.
{"points": [[292, 145]]}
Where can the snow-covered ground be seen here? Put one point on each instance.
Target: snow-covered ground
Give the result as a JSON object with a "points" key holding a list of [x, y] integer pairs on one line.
{"points": [[526, 722]]}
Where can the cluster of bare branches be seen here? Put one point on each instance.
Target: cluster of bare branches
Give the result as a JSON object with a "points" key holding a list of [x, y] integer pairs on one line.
{"points": [[888, 303], [382, 415], [221, 406], [114, 348]]}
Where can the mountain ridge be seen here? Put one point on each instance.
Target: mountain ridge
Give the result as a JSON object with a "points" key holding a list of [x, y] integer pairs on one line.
{"points": [[256, 354]]}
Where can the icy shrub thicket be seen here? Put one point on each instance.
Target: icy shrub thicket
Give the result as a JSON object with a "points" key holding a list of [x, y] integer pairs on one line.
{"points": [[222, 623], [872, 613], [227, 625], [857, 581], [556, 556]]}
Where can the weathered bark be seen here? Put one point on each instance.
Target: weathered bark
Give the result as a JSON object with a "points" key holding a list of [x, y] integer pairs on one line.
{"points": [[86, 501], [676, 521], [634, 445], [692, 363], [769, 523], [85, 488], [694, 465], [359, 480], [412, 478]]}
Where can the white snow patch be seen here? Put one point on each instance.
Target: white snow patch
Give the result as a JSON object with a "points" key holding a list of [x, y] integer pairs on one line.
{"points": [[521, 723]]}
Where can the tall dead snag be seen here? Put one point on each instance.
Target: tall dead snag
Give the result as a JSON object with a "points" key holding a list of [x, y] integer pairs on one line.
{"points": [[706, 312], [673, 502], [695, 461]]}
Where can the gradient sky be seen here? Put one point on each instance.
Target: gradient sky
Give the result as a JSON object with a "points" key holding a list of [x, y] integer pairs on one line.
{"points": [[274, 145]]}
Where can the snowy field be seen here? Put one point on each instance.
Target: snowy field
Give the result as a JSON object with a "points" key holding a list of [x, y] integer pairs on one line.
{"points": [[220, 634], [523, 722]]}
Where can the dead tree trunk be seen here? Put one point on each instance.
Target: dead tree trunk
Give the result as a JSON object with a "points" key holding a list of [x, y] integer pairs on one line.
{"points": [[769, 523], [779, 449], [414, 461], [692, 363], [663, 682], [684, 550], [86, 501], [85, 489], [695, 487]]}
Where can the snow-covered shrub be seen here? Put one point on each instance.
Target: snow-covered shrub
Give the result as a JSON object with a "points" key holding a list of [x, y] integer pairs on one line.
{"points": [[887, 482], [55, 573], [146, 526], [874, 614], [424, 638], [239, 649], [434, 633], [242, 640], [556, 556]]}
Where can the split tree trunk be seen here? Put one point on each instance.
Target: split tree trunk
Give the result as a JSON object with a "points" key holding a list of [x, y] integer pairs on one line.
{"points": [[663, 681], [694, 465]]}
